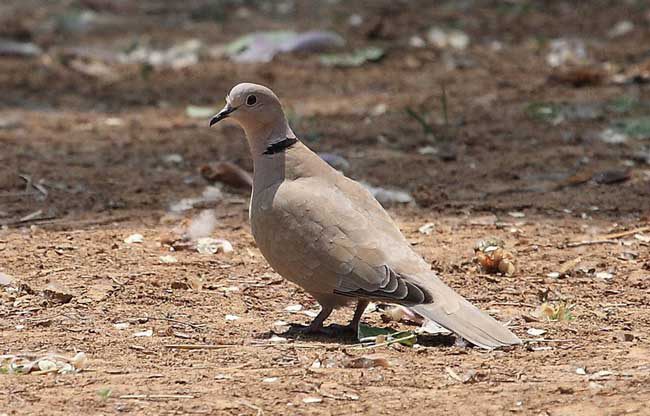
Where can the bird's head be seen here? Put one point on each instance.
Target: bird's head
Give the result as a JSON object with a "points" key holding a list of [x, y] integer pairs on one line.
{"points": [[253, 106]]}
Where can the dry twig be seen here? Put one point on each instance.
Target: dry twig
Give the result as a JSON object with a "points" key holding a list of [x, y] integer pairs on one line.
{"points": [[176, 321], [626, 233], [156, 396], [200, 346], [589, 243]]}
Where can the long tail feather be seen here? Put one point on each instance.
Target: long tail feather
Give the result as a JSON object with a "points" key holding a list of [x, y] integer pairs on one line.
{"points": [[470, 323]]}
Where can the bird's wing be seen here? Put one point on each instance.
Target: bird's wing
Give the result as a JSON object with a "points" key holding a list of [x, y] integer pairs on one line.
{"points": [[357, 246], [340, 235]]}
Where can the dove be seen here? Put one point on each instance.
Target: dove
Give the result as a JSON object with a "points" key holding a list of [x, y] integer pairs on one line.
{"points": [[326, 233]]}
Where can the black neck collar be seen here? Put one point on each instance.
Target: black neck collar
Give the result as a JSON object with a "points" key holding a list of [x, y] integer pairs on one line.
{"points": [[280, 146]]}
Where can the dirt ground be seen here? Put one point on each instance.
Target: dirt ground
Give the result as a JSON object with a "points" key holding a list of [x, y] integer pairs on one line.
{"points": [[88, 160]]}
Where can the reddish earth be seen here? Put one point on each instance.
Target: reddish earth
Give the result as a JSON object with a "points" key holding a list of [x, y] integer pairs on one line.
{"points": [[98, 152]]}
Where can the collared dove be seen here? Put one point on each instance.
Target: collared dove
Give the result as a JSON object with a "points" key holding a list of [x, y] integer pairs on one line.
{"points": [[326, 233]]}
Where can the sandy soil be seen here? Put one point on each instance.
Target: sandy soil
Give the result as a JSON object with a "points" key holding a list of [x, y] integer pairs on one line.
{"points": [[94, 155]]}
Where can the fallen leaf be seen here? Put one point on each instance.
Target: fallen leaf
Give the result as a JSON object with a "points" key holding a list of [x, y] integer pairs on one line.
{"points": [[604, 275], [638, 73], [366, 361], [541, 348], [20, 49], [134, 239], [173, 158], [535, 332], [311, 313], [46, 365], [293, 308], [621, 28], [168, 259], [227, 173], [628, 255], [484, 220], [398, 313], [638, 128], [624, 336], [194, 111], [567, 51], [179, 285], [98, 291], [355, 58], [208, 245], [312, 399], [560, 312], [448, 38], [469, 376], [642, 238], [609, 177], [57, 293], [278, 340], [601, 375], [376, 335], [426, 229], [579, 76], [195, 283], [388, 197], [568, 266], [264, 46], [5, 279], [93, 69], [612, 136]]}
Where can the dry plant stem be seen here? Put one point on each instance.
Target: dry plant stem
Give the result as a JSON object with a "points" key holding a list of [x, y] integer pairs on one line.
{"points": [[626, 233], [200, 346], [176, 321], [24, 221], [156, 396], [392, 341], [527, 305], [258, 409], [589, 243]]}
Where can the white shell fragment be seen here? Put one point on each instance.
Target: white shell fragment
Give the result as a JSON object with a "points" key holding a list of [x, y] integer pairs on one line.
{"points": [[293, 308], [209, 245], [134, 239], [535, 332]]}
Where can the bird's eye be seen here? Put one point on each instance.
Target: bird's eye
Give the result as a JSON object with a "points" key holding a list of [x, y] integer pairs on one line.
{"points": [[251, 100]]}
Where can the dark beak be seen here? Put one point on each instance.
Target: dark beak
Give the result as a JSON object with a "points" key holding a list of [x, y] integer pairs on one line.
{"points": [[222, 114]]}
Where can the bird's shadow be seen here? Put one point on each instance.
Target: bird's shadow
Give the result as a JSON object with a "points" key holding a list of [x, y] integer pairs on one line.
{"points": [[345, 336], [438, 340], [331, 333]]}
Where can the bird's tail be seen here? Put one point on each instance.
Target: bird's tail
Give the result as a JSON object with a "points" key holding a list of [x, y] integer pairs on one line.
{"points": [[461, 317]]}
